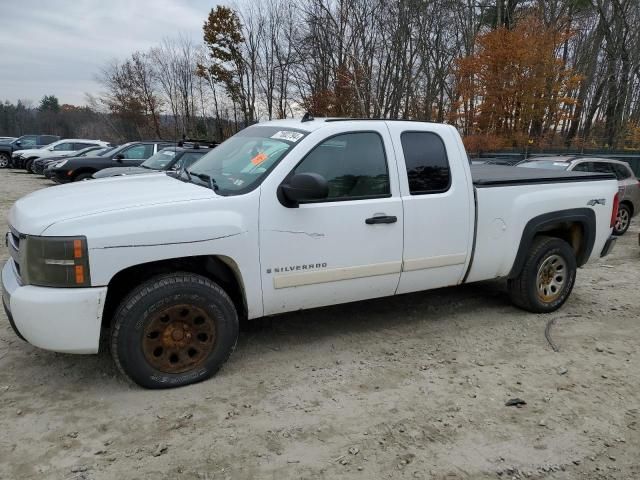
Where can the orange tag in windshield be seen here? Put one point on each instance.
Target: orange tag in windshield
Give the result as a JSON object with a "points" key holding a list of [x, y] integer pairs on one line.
{"points": [[259, 158]]}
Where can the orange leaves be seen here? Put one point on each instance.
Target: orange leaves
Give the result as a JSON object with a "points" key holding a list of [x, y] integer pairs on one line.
{"points": [[514, 86]]}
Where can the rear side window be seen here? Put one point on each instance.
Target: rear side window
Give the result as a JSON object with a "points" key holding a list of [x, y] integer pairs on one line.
{"points": [[63, 147], [354, 165], [621, 171], [602, 167], [584, 167], [427, 164]]}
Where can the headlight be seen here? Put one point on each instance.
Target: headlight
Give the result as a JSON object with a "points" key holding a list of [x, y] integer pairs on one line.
{"points": [[17, 155], [56, 262], [60, 164]]}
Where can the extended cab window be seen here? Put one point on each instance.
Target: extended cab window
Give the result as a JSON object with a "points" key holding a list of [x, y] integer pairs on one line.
{"points": [[427, 163], [354, 165]]}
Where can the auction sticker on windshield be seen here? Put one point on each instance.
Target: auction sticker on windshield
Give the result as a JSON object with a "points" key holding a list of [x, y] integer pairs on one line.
{"points": [[288, 135]]}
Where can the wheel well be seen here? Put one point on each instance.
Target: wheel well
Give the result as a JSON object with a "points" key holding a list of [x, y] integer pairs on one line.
{"points": [[82, 171], [570, 232], [628, 204], [220, 269], [577, 227]]}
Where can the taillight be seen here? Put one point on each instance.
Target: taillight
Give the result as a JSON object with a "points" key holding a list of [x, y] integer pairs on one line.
{"points": [[614, 211]]}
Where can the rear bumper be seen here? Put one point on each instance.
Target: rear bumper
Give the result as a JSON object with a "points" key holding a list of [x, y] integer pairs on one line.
{"points": [[608, 246], [60, 319]]}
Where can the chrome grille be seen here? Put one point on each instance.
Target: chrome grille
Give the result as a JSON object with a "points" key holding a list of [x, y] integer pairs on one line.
{"points": [[13, 243]]}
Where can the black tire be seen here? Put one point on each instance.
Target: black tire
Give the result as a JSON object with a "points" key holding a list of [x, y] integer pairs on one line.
{"points": [[82, 177], [524, 289], [133, 326], [27, 165], [623, 220], [5, 159]]}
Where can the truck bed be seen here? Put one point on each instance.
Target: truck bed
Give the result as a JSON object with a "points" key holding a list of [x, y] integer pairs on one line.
{"points": [[504, 175]]}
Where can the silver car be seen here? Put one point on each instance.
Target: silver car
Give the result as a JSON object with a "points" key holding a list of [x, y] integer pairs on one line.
{"points": [[628, 184]]}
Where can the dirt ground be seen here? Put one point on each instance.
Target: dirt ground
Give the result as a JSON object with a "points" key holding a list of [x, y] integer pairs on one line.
{"points": [[407, 387]]}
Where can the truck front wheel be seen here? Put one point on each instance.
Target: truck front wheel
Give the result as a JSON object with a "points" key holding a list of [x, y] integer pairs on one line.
{"points": [[4, 160], [547, 277], [174, 330]]}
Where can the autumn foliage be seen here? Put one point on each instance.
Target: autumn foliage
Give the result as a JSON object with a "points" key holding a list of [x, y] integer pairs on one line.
{"points": [[514, 89]]}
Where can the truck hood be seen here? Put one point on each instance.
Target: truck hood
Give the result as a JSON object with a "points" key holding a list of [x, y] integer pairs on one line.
{"points": [[115, 171], [34, 213]]}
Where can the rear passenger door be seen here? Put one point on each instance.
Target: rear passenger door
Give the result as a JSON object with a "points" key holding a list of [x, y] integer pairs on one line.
{"points": [[438, 206]]}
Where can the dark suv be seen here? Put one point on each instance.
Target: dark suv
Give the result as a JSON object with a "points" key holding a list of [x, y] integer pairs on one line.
{"points": [[168, 159], [130, 154], [21, 143]]}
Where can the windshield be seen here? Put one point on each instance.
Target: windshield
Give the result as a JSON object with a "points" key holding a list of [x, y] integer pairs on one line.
{"points": [[85, 151], [118, 149], [104, 151], [161, 160], [548, 164], [240, 163]]}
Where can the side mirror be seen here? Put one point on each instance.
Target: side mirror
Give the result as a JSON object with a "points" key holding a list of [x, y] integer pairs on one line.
{"points": [[303, 187], [119, 157], [50, 149], [18, 142]]}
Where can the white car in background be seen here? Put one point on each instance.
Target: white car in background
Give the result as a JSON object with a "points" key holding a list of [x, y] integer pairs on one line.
{"points": [[26, 157]]}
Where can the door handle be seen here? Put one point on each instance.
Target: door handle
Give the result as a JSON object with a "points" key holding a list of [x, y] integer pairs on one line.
{"points": [[381, 219]]}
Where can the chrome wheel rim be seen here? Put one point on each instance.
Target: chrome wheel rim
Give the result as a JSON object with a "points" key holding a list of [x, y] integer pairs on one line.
{"points": [[551, 278], [622, 220]]}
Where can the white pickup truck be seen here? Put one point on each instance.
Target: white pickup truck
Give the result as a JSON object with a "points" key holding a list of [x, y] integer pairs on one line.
{"points": [[287, 215]]}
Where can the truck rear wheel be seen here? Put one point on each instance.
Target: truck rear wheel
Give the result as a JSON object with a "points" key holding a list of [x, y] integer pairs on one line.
{"points": [[4, 160], [174, 330], [547, 277]]}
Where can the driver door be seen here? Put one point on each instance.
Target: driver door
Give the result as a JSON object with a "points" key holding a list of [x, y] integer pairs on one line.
{"points": [[338, 249]]}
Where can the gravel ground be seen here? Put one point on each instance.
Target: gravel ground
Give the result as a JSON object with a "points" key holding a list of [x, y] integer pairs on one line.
{"points": [[407, 387]]}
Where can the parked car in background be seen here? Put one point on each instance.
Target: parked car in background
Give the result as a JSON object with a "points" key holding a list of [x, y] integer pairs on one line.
{"points": [[628, 184], [47, 172], [130, 154], [283, 216], [171, 158], [26, 157], [39, 164], [23, 142]]}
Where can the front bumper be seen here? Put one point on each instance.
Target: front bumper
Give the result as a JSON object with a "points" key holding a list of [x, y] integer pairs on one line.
{"points": [[608, 246], [59, 319], [59, 176]]}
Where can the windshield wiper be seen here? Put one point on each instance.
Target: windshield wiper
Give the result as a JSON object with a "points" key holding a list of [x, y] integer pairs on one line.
{"points": [[207, 178]]}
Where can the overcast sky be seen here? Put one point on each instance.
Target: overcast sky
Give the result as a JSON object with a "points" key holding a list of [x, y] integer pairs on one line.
{"points": [[56, 47]]}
